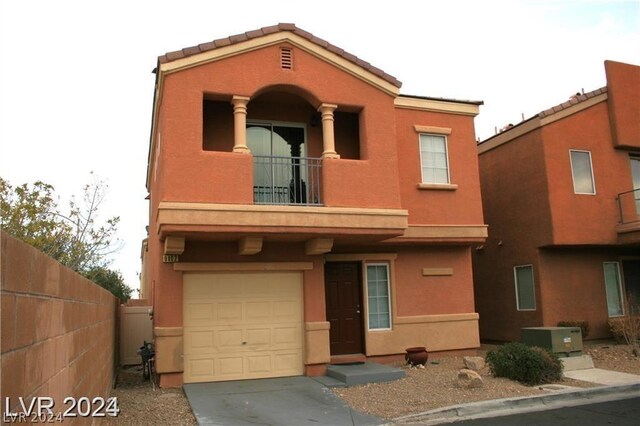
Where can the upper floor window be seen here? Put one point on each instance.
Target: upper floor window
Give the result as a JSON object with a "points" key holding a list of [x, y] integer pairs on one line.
{"points": [[582, 171], [434, 159]]}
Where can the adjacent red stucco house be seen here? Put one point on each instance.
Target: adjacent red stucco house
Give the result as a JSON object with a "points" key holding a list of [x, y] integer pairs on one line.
{"points": [[302, 210], [559, 199]]}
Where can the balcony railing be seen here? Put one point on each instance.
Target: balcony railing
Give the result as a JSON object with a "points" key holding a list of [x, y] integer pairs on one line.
{"points": [[629, 206], [287, 180]]}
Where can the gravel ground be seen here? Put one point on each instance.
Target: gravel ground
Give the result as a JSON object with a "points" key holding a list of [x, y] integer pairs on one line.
{"points": [[140, 404], [434, 387], [421, 390]]}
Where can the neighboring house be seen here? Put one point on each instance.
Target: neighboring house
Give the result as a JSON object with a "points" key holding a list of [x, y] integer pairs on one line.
{"points": [[564, 225], [302, 211]]}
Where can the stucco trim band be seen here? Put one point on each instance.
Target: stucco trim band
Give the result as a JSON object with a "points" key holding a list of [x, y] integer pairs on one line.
{"points": [[443, 233], [436, 106], [167, 331], [169, 349], [317, 342], [432, 129], [437, 272], [338, 257], [241, 266], [438, 186], [250, 215], [419, 319], [435, 332]]}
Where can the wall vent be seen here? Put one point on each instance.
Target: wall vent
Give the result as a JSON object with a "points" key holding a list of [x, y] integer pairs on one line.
{"points": [[286, 58]]}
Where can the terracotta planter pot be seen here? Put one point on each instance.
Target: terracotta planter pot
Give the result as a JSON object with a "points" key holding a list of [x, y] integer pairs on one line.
{"points": [[417, 355]]}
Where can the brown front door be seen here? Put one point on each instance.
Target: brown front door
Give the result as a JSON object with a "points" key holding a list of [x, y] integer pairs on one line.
{"points": [[342, 286]]}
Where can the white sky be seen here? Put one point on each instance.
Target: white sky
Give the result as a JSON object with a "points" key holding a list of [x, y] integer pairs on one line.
{"points": [[76, 87]]}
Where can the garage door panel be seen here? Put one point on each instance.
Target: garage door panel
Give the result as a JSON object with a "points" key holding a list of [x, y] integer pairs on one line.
{"points": [[284, 361], [229, 339], [229, 312], [221, 311], [258, 336], [201, 339], [258, 311], [230, 365], [201, 368]]}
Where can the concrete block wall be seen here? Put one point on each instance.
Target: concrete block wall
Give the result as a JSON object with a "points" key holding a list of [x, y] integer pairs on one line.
{"points": [[58, 329]]}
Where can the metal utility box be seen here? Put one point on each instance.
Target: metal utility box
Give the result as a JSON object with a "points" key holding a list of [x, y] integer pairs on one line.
{"points": [[562, 341]]}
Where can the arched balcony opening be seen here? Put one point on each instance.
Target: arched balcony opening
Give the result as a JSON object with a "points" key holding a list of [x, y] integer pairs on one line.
{"points": [[285, 139]]}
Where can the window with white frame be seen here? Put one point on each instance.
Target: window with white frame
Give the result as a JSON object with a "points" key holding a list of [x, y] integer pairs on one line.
{"points": [[434, 158], [525, 292], [378, 296], [613, 286], [582, 172]]}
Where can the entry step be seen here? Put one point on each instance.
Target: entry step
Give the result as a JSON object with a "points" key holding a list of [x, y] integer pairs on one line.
{"points": [[364, 372]]}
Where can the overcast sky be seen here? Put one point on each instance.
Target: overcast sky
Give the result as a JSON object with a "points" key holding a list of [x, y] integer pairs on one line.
{"points": [[76, 87]]}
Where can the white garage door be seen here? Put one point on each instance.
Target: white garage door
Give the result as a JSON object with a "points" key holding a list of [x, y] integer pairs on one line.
{"points": [[242, 326]]}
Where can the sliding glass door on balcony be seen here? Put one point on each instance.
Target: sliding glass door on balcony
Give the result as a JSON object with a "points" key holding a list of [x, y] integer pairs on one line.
{"points": [[282, 173], [635, 175]]}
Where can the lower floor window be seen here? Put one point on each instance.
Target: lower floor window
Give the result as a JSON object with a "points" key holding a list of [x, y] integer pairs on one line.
{"points": [[613, 286], [525, 292], [378, 296]]}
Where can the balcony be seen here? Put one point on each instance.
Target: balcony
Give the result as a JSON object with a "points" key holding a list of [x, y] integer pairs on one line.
{"points": [[628, 227], [286, 180]]}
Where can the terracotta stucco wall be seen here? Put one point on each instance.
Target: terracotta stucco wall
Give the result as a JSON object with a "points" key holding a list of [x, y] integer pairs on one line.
{"points": [[623, 82], [573, 286], [584, 218], [461, 206], [516, 207], [448, 293], [58, 329], [316, 81]]}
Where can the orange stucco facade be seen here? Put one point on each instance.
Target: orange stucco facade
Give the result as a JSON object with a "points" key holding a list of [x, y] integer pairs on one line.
{"points": [[371, 206], [537, 218]]}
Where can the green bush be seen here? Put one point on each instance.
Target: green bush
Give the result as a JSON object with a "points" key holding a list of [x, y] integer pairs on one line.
{"points": [[531, 366], [584, 326]]}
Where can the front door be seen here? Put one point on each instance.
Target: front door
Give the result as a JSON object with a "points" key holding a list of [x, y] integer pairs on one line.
{"points": [[343, 290]]}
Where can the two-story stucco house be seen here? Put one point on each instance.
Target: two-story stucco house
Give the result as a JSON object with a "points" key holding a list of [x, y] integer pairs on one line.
{"points": [[303, 212], [561, 195]]}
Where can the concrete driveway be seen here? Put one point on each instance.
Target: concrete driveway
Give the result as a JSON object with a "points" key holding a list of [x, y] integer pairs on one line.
{"points": [[282, 401]]}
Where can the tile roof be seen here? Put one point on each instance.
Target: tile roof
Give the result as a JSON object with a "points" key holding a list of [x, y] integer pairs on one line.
{"points": [[238, 38], [574, 100], [435, 98], [579, 97]]}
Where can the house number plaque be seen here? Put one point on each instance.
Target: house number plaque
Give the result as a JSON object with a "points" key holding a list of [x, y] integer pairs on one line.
{"points": [[170, 258]]}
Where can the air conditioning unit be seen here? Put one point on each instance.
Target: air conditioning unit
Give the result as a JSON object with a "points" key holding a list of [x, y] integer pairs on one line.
{"points": [[562, 341]]}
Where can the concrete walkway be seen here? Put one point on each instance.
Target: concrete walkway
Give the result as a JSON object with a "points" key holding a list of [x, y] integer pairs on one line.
{"points": [[603, 377], [282, 401]]}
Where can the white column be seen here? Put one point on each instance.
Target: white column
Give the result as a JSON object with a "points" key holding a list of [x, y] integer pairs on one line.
{"points": [[328, 140], [240, 124]]}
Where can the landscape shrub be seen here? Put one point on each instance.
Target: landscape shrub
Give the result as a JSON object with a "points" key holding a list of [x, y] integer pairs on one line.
{"points": [[584, 326], [616, 326], [527, 365]]}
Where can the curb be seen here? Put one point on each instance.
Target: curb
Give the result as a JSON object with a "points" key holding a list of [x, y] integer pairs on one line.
{"points": [[526, 404]]}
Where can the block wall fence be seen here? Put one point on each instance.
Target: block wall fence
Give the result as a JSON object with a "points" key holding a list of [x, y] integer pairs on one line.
{"points": [[58, 329]]}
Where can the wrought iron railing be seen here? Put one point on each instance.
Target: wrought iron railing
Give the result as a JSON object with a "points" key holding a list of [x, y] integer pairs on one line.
{"points": [[629, 206], [287, 180]]}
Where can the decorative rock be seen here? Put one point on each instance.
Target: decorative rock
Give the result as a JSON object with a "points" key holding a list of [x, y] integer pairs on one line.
{"points": [[469, 379], [475, 363]]}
